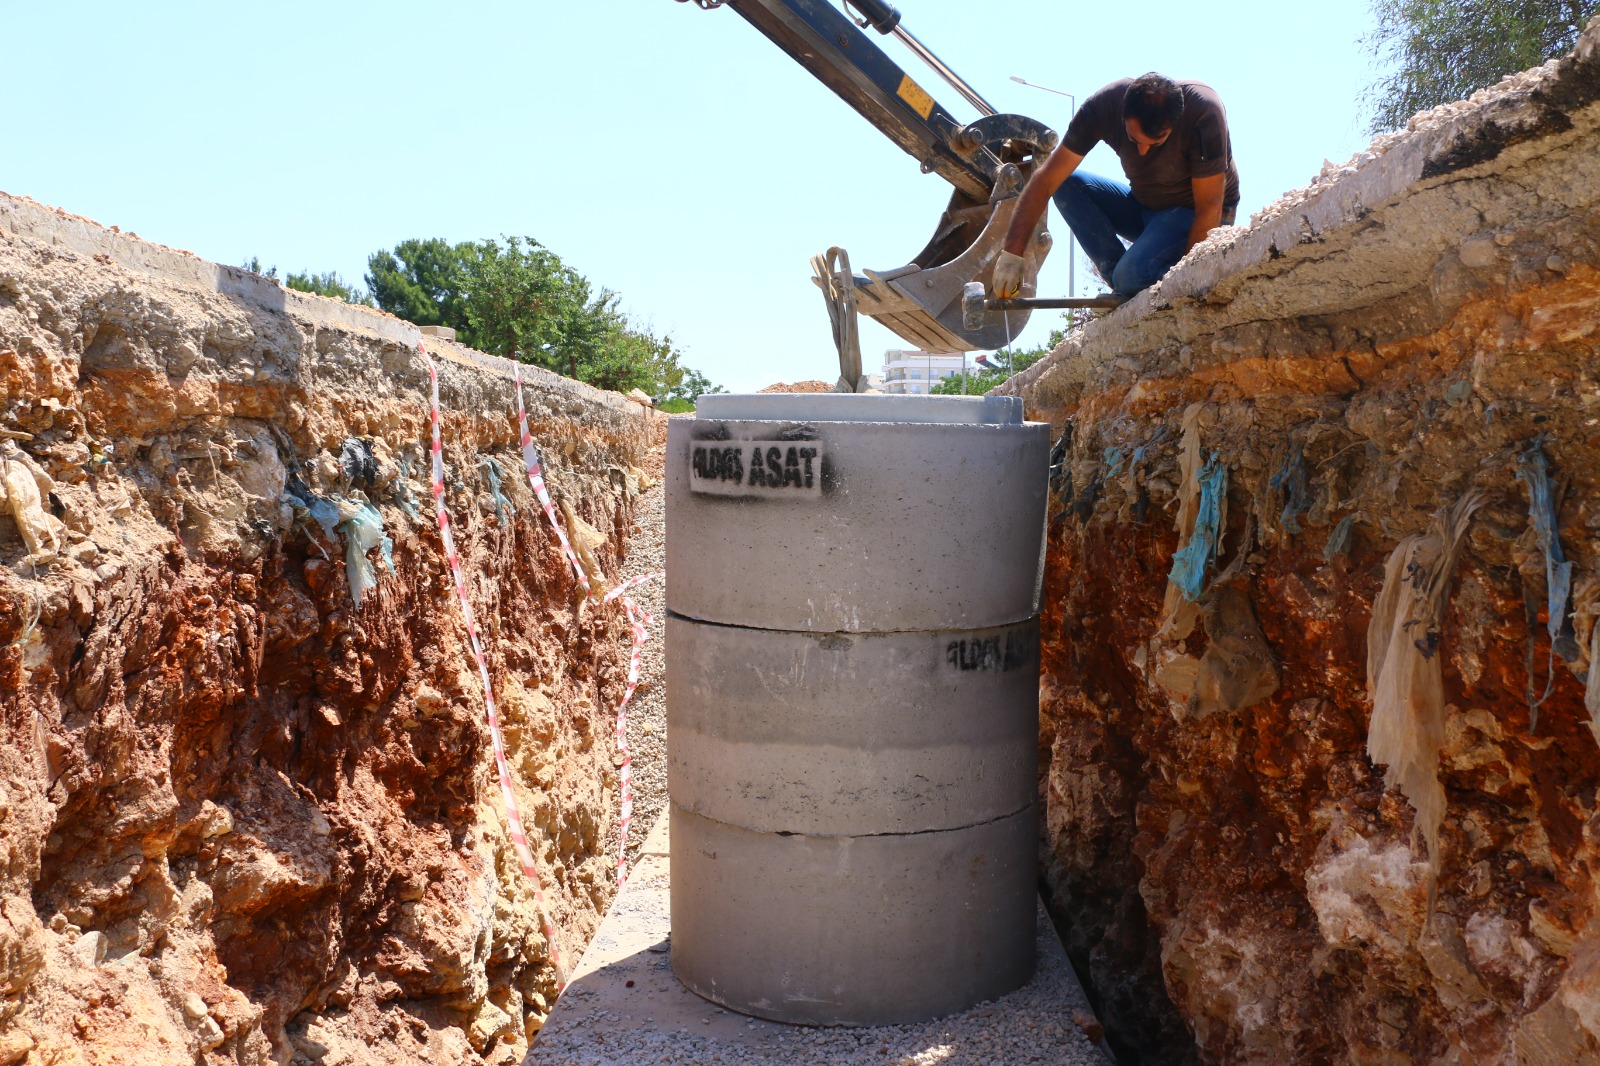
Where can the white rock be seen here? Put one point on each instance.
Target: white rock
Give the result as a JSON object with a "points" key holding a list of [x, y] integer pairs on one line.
{"points": [[311, 1043], [91, 948], [210, 1034]]}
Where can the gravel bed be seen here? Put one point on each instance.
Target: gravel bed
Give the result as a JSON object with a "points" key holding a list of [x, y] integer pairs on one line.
{"points": [[647, 712]]}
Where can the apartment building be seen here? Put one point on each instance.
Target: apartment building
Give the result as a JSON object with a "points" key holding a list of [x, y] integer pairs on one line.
{"points": [[911, 372]]}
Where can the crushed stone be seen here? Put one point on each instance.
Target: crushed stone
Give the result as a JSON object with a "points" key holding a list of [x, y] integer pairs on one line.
{"points": [[647, 713]]}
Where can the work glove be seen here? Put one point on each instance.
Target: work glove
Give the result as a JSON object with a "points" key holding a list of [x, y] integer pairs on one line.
{"points": [[1007, 275]]}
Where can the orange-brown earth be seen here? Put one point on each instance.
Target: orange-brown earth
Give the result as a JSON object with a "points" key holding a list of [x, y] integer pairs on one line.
{"points": [[800, 386], [1238, 882], [243, 819]]}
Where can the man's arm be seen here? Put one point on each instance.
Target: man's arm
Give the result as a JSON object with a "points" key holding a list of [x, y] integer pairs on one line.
{"points": [[1031, 203], [1042, 184], [1208, 193]]}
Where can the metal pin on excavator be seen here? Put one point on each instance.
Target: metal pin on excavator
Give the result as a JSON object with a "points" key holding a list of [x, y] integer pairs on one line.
{"points": [[936, 301]]}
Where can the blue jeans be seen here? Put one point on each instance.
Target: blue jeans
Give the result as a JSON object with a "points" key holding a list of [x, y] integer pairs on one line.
{"points": [[1100, 210]]}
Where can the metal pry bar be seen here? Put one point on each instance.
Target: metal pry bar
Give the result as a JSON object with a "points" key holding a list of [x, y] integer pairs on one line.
{"points": [[974, 303]]}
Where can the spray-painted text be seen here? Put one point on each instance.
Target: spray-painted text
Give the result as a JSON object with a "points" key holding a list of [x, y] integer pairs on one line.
{"points": [[1016, 649], [756, 468]]}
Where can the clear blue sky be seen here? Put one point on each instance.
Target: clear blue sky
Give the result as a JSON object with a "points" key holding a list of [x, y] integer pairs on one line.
{"points": [[671, 154]]}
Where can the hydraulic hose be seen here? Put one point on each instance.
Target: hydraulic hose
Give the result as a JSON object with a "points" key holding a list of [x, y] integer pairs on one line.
{"points": [[885, 18]]}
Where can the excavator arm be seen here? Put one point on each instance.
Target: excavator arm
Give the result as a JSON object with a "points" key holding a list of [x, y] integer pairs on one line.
{"points": [[987, 161]]}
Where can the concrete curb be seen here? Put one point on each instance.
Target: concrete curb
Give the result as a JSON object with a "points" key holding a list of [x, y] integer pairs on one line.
{"points": [[30, 221]]}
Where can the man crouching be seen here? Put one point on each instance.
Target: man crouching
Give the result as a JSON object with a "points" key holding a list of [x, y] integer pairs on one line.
{"points": [[1172, 138]]}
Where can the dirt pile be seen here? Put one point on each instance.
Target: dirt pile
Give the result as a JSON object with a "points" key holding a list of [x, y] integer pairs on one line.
{"points": [[800, 386], [249, 812], [1325, 516]]}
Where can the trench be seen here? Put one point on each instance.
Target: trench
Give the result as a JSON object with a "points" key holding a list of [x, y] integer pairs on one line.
{"points": [[247, 819]]}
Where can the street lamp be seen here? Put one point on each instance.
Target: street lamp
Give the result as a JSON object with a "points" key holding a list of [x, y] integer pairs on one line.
{"points": [[1072, 256], [1046, 88]]}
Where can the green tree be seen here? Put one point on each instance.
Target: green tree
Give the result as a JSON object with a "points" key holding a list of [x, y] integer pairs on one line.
{"points": [[329, 284], [680, 396], [981, 381], [520, 300], [1437, 51], [598, 347], [514, 297], [422, 281], [253, 264], [692, 386]]}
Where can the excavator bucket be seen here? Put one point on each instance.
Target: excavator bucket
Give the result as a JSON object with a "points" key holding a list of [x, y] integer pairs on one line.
{"points": [[921, 301]]}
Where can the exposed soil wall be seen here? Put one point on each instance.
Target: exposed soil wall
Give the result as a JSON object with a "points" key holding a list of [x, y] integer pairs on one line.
{"points": [[1319, 628], [243, 819], [1414, 333]]}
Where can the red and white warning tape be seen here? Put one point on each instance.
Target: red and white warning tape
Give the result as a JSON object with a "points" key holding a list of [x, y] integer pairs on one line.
{"points": [[638, 622], [530, 458], [519, 837], [631, 583]]}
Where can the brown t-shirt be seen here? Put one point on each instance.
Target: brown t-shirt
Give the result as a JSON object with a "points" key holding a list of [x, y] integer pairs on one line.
{"points": [[1198, 148]]}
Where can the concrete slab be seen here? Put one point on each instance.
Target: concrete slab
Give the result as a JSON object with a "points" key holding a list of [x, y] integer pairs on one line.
{"points": [[624, 1006]]}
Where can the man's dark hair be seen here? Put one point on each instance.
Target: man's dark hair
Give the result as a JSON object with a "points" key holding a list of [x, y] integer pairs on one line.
{"points": [[1156, 101]]}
